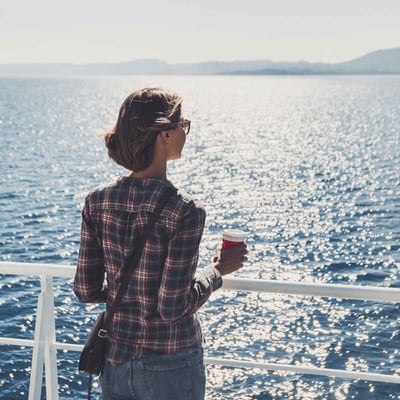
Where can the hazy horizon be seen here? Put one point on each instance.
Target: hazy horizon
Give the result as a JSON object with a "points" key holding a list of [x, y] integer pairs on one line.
{"points": [[182, 31], [204, 61]]}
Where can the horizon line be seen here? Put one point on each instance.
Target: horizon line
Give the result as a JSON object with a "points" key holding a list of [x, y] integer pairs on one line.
{"points": [[188, 62]]}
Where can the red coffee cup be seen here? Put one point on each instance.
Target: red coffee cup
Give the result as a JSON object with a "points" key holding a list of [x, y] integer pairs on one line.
{"points": [[232, 237]]}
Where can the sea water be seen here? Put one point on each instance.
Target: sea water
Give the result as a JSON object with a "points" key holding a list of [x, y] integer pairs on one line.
{"points": [[308, 166]]}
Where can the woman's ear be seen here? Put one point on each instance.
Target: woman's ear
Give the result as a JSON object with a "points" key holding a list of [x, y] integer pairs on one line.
{"points": [[165, 136]]}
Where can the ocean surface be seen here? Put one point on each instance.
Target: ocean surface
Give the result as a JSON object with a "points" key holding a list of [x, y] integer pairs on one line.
{"points": [[309, 166]]}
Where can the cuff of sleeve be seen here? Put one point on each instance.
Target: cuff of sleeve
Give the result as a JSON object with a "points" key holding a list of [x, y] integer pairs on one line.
{"points": [[213, 276]]}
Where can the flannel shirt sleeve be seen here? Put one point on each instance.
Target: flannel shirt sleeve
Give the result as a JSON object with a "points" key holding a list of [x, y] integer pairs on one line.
{"points": [[181, 291], [89, 284]]}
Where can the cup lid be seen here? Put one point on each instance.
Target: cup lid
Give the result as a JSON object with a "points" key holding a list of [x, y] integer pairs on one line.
{"points": [[234, 235]]}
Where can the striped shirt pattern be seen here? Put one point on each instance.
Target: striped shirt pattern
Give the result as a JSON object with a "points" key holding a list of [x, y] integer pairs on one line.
{"points": [[157, 314]]}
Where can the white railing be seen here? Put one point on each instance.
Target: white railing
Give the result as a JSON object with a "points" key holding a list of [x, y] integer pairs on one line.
{"points": [[45, 346]]}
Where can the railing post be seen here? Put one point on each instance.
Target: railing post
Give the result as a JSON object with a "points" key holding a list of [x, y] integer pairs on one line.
{"points": [[44, 352]]}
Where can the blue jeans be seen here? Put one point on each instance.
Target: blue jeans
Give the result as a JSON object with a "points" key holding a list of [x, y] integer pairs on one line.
{"points": [[179, 376]]}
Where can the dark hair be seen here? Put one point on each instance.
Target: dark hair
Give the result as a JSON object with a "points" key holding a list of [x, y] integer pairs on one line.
{"points": [[142, 116]]}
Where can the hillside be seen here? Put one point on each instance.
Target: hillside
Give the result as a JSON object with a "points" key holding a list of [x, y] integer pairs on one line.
{"points": [[378, 62]]}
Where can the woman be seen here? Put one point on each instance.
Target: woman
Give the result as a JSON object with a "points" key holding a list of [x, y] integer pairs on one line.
{"points": [[155, 344]]}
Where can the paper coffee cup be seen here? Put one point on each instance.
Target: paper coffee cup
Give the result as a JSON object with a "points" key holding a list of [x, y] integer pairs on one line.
{"points": [[232, 237]]}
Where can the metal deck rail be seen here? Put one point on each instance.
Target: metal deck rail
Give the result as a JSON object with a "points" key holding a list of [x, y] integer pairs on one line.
{"points": [[45, 346]]}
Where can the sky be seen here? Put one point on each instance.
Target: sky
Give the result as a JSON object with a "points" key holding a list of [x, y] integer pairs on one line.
{"points": [[187, 31]]}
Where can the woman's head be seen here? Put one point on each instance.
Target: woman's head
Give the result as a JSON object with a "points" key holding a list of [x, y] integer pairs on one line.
{"points": [[142, 116]]}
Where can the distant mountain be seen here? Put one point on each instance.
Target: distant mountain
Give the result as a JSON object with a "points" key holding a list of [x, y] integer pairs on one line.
{"points": [[377, 62]]}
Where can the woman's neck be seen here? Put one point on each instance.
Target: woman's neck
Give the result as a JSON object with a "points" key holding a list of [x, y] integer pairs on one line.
{"points": [[154, 171], [158, 167]]}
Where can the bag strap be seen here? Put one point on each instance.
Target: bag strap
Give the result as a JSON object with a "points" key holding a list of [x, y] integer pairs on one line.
{"points": [[132, 260]]}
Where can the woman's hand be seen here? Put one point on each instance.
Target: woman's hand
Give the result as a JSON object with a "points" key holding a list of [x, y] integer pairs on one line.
{"points": [[230, 260]]}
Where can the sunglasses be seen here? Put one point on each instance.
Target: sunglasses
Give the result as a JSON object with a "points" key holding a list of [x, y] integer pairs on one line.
{"points": [[185, 124]]}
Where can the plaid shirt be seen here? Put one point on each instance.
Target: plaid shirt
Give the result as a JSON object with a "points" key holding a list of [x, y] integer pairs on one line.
{"points": [[157, 313]]}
